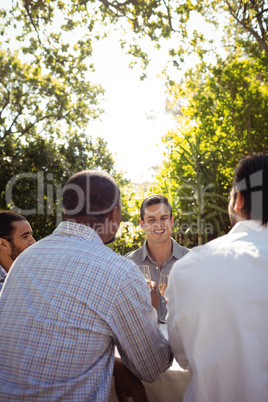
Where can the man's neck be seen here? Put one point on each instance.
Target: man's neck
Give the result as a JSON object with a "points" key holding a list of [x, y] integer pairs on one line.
{"points": [[160, 252]]}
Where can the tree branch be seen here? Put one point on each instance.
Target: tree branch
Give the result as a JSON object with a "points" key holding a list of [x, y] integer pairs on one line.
{"points": [[9, 130], [5, 104], [243, 22], [119, 7], [30, 126], [27, 8], [169, 15]]}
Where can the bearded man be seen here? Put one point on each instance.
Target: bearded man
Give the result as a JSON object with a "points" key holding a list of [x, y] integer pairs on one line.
{"points": [[15, 236]]}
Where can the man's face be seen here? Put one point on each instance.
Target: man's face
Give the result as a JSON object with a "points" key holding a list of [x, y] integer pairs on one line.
{"points": [[157, 223], [21, 238]]}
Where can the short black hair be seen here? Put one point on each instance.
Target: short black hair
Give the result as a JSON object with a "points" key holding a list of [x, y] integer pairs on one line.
{"points": [[89, 196], [251, 179], [154, 200], [6, 220]]}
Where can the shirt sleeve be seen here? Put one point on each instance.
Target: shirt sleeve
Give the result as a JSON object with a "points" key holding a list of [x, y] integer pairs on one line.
{"points": [[140, 342]]}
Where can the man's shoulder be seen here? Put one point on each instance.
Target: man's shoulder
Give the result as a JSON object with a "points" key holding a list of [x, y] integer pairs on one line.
{"points": [[118, 260], [217, 249], [134, 253], [178, 250]]}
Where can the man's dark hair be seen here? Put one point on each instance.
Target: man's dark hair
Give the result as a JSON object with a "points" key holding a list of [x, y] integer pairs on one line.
{"points": [[154, 200], [89, 196], [251, 179], [6, 223]]}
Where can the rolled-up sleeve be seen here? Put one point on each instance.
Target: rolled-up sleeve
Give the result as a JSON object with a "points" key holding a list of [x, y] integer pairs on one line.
{"points": [[142, 346]]}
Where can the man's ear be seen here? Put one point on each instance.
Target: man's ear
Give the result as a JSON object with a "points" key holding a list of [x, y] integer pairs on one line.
{"points": [[142, 224], [239, 202], [3, 244], [114, 213], [172, 221]]}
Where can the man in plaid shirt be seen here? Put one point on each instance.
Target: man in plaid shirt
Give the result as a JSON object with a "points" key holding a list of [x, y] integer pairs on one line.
{"points": [[69, 299]]}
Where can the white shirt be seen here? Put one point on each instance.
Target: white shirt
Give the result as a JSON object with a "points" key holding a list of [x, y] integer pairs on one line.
{"points": [[218, 316]]}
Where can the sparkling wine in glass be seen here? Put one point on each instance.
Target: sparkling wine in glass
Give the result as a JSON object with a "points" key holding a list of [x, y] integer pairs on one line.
{"points": [[162, 285], [145, 270]]}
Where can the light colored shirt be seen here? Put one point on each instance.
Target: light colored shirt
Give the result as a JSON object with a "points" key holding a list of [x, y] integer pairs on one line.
{"points": [[3, 275], [217, 316], [59, 325], [141, 256]]}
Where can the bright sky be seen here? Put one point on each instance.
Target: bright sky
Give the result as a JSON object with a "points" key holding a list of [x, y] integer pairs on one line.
{"points": [[135, 119]]}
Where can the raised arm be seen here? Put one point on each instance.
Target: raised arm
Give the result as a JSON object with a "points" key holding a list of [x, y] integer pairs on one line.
{"points": [[142, 347]]}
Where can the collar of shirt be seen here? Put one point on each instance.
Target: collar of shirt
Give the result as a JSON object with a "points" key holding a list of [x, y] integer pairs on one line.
{"points": [[247, 225], [67, 228], [3, 275], [176, 251]]}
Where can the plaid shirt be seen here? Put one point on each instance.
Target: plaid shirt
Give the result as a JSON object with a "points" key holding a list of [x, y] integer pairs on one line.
{"points": [[3, 275], [58, 327]]}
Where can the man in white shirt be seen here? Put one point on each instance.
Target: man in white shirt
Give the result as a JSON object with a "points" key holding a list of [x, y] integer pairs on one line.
{"points": [[218, 299], [15, 236]]}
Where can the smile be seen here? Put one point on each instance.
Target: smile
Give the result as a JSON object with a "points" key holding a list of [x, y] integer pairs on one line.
{"points": [[159, 231]]}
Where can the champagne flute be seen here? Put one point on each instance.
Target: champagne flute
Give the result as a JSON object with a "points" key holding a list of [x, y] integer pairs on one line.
{"points": [[162, 285], [145, 270]]}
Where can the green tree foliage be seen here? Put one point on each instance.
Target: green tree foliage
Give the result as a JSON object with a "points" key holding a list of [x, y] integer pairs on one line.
{"points": [[33, 101], [228, 103], [224, 119], [34, 173], [46, 92], [189, 178], [46, 101], [221, 112], [250, 22], [129, 237], [244, 24]]}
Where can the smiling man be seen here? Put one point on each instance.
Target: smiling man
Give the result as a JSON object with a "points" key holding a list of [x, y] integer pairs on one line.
{"points": [[159, 251], [15, 236]]}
